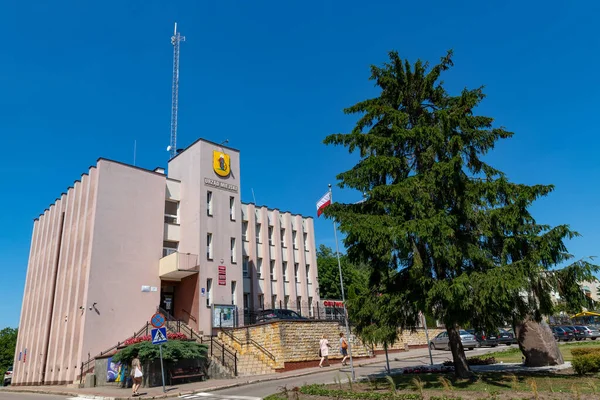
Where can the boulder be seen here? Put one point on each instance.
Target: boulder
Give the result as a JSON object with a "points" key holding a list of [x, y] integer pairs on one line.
{"points": [[538, 345]]}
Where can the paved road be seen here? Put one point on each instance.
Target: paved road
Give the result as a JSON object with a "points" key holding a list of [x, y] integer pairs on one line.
{"points": [[29, 396], [421, 357]]}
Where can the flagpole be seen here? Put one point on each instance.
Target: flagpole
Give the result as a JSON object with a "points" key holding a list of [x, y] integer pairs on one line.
{"points": [[337, 252]]}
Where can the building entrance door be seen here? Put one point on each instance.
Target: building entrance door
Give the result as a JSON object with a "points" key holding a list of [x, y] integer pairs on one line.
{"points": [[167, 299]]}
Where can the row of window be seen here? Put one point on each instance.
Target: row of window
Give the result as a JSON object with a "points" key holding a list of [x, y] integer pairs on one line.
{"points": [[209, 206], [259, 268], [285, 304], [209, 248], [270, 235]]}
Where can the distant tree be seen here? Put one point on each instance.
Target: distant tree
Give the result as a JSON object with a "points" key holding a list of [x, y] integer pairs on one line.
{"points": [[8, 344], [329, 273]]}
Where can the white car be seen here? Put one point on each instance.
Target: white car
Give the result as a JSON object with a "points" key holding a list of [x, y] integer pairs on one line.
{"points": [[8, 376], [589, 332], [442, 341]]}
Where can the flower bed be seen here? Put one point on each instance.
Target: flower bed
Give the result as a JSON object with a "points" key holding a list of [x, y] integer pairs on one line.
{"points": [[148, 338]]}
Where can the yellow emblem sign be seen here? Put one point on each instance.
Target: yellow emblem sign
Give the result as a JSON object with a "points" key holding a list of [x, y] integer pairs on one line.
{"points": [[221, 163]]}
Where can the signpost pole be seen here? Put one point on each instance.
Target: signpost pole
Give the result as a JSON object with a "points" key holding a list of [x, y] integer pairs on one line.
{"points": [[162, 369]]}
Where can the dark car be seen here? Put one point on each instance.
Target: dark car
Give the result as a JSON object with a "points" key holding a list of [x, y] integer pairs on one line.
{"points": [[484, 338], [506, 336], [277, 315], [566, 335], [578, 332]]}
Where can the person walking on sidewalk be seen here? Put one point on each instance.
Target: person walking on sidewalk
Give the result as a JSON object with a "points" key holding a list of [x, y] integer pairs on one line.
{"points": [[324, 350], [136, 374], [343, 348]]}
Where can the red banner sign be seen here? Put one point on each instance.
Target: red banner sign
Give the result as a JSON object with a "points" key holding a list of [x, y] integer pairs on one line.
{"points": [[332, 303]]}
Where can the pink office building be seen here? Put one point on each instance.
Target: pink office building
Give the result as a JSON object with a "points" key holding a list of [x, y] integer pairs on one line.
{"points": [[124, 240]]}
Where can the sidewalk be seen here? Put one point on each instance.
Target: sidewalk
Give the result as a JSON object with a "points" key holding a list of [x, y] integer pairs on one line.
{"points": [[113, 393]]}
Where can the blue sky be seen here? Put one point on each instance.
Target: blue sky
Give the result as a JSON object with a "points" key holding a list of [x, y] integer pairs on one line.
{"points": [[81, 80]]}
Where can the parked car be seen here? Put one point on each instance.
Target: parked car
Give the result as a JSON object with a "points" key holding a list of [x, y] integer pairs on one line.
{"points": [[506, 336], [577, 333], [277, 314], [590, 332], [442, 342], [484, 338], [566, 335], [8, 376]]}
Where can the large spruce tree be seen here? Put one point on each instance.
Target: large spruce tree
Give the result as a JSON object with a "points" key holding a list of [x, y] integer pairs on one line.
{"points": [[441, 230]]}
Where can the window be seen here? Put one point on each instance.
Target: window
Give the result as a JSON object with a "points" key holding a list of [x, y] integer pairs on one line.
{"points": [[258, 240], [259, 268], [307, 273], [305, 241], [261, 301], [246, 301], [294, 234], [272, 270], [245, 267], [286, 300], [283, 238], [233, 252], [296, 272], [233, 287], [299, 304], [232, 208], [209, 204], [169, 248], [274, 301], [245, 231], [285, 279], [209, 246], [271, 235], [208, 292], [171, 212], [310, 308]]}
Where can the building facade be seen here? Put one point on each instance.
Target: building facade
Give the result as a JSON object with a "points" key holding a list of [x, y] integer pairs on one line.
{"points": [[124, 240]]}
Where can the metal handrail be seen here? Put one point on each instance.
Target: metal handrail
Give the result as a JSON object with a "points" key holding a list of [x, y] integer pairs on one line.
{"points": [[249, 341]]}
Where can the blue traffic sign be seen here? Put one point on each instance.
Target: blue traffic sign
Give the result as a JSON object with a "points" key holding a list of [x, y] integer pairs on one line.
{"points": [[159, 335], [157, 320]]}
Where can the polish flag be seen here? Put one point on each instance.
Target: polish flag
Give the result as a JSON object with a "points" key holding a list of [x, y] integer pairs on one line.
{"points": [[324, 202]]}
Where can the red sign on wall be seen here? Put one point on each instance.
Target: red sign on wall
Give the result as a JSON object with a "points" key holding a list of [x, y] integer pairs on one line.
{"points": [[222, 275], [332, 303]]}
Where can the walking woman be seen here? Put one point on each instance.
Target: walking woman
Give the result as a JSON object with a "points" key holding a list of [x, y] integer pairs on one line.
{"points": [[324, 350], [343, 348], [136, 374]]}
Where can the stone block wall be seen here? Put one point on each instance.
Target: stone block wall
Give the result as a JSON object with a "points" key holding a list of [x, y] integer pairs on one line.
{"points": [[298, 341]]}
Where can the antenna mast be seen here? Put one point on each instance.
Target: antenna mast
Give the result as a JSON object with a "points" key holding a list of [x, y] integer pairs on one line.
{"points": [[175, 40]]}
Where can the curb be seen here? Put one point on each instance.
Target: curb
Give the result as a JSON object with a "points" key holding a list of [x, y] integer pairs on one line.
{"points": [[177, 394]]}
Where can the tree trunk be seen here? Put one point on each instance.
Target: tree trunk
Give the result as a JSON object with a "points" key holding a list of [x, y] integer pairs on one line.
{"points": [[387, 359], [461, 368], [537, 344]]}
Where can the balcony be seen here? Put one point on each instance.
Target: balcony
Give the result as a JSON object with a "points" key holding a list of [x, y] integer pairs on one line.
{"points": [[177, 266]]}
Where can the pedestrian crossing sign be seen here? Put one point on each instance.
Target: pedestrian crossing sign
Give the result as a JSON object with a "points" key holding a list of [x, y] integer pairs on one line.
{"points": [[159, 335]]}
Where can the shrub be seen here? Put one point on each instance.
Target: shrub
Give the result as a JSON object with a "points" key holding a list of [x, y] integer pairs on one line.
{"points": [[172, 350], [585, 363], [481, 360], [585, 350]]}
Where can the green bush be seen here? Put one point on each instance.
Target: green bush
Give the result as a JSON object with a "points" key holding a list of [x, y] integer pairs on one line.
{"points": [[171, 350], [585, 350], [321, 390], [586, 363]]}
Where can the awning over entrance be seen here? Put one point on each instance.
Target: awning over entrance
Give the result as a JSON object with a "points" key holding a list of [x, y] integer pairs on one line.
{"points": [[177, 266], [586, 314]]}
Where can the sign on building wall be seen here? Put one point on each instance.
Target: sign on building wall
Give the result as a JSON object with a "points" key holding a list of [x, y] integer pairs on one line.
{"points": [[223, 316], [222, 275]]}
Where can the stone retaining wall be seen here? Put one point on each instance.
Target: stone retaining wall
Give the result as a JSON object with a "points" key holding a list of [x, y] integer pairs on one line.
{"points": [[298, 341]]}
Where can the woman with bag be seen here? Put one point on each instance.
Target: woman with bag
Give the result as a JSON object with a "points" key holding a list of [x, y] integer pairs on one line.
{"points": [[136, 374], [343, 348], [324, 350]]}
